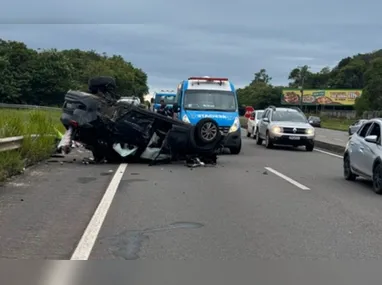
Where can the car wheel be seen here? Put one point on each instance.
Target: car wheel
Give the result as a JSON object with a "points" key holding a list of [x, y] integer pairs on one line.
{"points": [[348, 174], [207, 131], [248, 133], [259, 141], [254, 133], [236, 149], [268, 141], [309, 147], [349, 132], [377, 179]]}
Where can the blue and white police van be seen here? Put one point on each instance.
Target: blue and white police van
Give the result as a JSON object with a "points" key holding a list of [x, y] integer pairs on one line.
{"points": [[215, 98]]}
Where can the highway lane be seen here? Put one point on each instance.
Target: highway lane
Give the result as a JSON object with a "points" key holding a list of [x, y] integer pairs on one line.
{"points": [[239, 211], [281, 203]]}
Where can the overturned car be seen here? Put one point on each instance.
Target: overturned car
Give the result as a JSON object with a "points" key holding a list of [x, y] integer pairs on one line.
{"points": [[115, 130]]}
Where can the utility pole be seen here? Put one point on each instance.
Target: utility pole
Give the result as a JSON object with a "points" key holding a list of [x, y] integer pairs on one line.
{"points": [[303, 71]]}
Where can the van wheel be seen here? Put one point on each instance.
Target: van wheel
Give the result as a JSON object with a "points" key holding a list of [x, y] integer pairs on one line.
{"points": [[235, 149]]}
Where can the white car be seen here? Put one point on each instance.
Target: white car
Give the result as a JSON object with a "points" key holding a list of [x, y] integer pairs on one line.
{"points": [[253, 123], [363, 154]]}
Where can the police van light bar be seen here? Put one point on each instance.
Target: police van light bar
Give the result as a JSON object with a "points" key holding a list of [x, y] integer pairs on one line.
{"points": [[208, 78]]}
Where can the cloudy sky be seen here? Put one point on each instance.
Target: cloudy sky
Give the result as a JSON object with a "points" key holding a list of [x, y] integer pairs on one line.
{"points": [[174, 39]]}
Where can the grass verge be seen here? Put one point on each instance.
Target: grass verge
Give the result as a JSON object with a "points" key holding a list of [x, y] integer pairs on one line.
{"points": [[25, 123], [339, 124]]}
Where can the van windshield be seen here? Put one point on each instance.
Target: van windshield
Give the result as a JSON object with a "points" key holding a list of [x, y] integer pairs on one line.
{"points": [[212, 100], [168, 99]]}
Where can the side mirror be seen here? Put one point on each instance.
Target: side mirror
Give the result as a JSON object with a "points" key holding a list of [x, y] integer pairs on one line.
{"points": [[175, 108], [371, 139], [265, 120]]}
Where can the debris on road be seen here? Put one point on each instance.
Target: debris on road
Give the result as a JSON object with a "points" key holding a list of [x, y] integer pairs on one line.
{"points": [[116, 130]]}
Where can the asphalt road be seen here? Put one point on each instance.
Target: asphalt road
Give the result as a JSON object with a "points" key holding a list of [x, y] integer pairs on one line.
{"points": [[332, 136], [262, 204]]}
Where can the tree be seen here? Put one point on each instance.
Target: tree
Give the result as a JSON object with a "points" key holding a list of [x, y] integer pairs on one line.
{"points": [[43, 77]]}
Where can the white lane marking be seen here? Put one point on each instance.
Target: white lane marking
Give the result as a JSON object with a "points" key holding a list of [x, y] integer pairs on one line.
{"points": [[60, 273], [328, 153], [86, 244], [286, 178]]}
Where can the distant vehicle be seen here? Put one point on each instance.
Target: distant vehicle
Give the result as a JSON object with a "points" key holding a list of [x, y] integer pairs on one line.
{"points": [[248, 111], [168, 97], [132, 100], [314, 121], [285, 126], [363, 154], [354, 127], [253, 122], [199, 98]]}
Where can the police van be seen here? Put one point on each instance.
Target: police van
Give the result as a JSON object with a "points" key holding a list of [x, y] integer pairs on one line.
{"points": [[215, 98]]}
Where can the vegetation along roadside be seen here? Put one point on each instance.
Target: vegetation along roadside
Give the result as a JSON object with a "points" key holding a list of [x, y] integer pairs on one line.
{"points": [[26, 123]]}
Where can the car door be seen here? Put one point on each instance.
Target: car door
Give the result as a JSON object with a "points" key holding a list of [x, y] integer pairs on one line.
{"points": [[251, 122], [371, 150], [357, 147], [263, 125]]}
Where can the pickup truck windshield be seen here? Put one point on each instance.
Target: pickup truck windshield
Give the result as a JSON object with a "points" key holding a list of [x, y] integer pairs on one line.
{"points": [[210, 100]]}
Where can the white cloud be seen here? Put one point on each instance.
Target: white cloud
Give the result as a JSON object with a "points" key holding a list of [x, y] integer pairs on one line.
{"points": [[171, 40]]}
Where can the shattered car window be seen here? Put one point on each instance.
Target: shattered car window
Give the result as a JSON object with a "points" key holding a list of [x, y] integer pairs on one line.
{"points": [[209, 100]]}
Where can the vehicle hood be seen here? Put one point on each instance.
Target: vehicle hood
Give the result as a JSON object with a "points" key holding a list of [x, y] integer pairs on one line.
{"points": [[291, 125], [224, 119]]}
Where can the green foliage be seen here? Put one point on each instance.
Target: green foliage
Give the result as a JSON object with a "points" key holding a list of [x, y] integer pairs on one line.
{"points": [[362, 71], [42, 77], [26, 123]]}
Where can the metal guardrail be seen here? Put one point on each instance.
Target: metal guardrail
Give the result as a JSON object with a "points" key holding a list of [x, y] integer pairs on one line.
{"points": [[30, 107], [13, 143]]}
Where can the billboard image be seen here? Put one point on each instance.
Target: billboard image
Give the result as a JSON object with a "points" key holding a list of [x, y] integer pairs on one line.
{"points": [[331, 97]]}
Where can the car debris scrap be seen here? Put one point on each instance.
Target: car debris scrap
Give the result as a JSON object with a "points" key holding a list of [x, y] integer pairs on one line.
{"points": [[120, 131]]}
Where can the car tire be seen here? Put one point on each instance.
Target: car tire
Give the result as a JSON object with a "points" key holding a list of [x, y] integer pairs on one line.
{"points": [[248, 133], [349, 132], [235, 149], [207, 131], [348, 174], [254, 133], [259, 141], [268, 141], [309, 147], [377, 179]]}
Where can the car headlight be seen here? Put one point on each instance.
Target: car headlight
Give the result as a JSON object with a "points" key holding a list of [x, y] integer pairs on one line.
{"points": [[235, 126], [309, 131], [186, 120], [277, 130]]}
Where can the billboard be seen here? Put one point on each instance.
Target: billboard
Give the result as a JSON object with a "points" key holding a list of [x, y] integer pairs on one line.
{"points": [[330, 97]]}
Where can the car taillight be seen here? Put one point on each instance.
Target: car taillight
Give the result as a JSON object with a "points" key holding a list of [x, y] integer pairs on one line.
{"points": [[73, 123]]}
